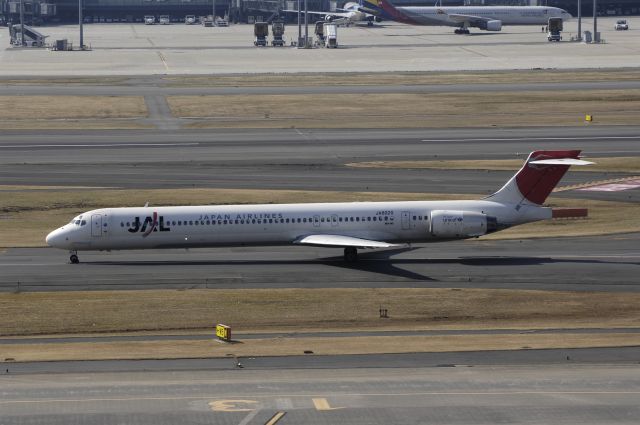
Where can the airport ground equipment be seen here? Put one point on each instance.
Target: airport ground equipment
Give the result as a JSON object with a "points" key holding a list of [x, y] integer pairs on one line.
{"points": [[32, 38], [190, 19], [207, 21], [621, 25], [330, 35], [261, 32], [319, 32], [554, 29], [277, 29], [222, 22], [149, 20], [164, 20]]}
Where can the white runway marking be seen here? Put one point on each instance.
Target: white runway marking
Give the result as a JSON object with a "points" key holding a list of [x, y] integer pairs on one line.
{"points": [[99, 145]]}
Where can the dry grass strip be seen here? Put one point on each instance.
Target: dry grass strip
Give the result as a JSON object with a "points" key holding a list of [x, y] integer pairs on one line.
{"points": [[79, 312], [394, 110], [70, 107]]}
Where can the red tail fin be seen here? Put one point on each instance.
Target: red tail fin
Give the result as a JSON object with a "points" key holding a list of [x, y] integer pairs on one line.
{"points": [[538, 176]]}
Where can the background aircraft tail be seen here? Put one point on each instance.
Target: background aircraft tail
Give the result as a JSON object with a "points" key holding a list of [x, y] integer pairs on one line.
{"points": [[538, 176]]}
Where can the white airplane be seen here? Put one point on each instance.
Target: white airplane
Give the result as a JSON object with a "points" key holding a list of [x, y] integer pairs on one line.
{"points": [[488, 18], [346, 225], [349, 14]]}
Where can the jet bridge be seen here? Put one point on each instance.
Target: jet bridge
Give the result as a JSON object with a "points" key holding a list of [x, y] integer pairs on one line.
{"points": [[32, 37]]}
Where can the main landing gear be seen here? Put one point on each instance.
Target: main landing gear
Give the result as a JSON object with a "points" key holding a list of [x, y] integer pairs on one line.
{"points": [[74, 257], [461, 31], [350, 254]]}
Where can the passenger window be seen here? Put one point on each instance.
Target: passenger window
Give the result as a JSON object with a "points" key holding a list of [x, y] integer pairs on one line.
{"points": [[190, 223], [208, 223], [128, 224], [121, 224]]}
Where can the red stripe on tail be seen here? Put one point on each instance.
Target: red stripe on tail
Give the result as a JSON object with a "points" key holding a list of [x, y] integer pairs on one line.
{"points": [[536, 181]]}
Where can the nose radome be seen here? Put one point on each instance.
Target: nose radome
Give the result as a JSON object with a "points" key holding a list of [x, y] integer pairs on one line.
{"points": [[54, 238]]}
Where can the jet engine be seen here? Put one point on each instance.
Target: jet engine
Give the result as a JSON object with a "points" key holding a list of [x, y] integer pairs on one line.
{"points": [[461, 224], [493, 25]]}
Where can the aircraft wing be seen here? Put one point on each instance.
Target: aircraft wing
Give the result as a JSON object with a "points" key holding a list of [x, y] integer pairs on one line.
{"points": [[332, 14], [471, 19], [341, 241]]}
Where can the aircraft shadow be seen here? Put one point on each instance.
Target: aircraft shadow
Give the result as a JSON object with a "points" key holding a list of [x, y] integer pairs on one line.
{"points": [[378, 262]]}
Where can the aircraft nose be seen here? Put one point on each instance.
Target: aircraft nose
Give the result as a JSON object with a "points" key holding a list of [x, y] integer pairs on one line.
{"points": [[56, 238]]}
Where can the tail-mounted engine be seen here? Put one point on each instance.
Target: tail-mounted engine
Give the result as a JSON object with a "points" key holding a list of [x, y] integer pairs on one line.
{"points": [[461, 224]]}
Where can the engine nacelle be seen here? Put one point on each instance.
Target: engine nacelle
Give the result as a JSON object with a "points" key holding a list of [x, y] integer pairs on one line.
{"points": [[493, 25], [460, 224]]}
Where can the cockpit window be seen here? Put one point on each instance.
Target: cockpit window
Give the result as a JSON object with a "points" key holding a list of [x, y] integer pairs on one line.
{"points": [[83, 222]]}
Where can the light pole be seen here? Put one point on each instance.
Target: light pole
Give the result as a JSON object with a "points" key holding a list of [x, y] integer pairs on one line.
{"points": [[299, 25], [306, 25], [579, 20], [80, 19], [595, 20], [21, 23], [213, 11]]}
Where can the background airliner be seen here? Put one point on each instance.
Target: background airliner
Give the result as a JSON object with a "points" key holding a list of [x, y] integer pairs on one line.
{"points": [[346, 225], [489, 18], [352, 12]]}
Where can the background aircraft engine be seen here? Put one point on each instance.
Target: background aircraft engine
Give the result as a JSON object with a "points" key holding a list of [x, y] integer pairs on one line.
{"points": [[494, 25], [460, 224]]}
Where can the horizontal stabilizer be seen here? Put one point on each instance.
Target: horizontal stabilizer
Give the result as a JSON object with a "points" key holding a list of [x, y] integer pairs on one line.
{"points": [[562, 161], [341, 241]]}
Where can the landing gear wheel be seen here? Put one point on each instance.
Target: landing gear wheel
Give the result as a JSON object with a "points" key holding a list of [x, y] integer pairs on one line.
{"points": [[74, 259], [350, 254]]}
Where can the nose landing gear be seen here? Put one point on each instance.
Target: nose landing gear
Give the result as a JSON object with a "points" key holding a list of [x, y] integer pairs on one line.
{"points": [[74, 257]]}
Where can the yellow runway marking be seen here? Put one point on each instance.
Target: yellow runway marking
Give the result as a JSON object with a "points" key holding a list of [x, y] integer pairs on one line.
{"points": [[323, 404], [275, 418]]}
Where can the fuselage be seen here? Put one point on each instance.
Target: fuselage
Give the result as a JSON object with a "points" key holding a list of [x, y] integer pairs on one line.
{"points": [[508, 15], [234, 225]]}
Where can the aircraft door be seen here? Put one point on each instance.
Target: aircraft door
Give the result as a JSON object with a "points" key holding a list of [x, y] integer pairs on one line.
{"points": [[316, 221], [405, 220], [96, 225], [334, 220]]}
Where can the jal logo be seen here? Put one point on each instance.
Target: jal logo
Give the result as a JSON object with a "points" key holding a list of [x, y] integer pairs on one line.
{"points": [[148, 225]]}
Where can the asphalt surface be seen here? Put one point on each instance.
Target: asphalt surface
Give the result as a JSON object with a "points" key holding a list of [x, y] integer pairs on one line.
{"points": [[586, 386], [152, 87], [296, 159], [607, 263]]}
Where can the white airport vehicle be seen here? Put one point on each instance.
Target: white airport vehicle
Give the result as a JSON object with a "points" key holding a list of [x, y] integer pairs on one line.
{"points": [[164, 20], [190, 19], [149, 20], [330, 35], [350, 225], [488, 18], [622, 25]]}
